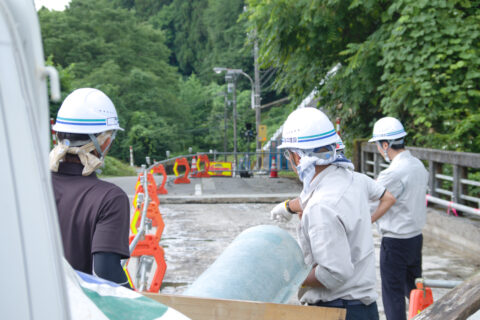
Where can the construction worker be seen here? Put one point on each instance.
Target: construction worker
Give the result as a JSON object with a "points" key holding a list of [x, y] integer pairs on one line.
{"points": [[283, 211], [401, 227], [335, 230], [93, 214]]}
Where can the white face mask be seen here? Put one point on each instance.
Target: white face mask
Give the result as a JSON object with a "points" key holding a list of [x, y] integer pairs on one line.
{"points": [[308, 161]]}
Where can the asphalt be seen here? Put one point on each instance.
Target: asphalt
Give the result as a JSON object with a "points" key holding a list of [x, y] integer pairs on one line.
{"points": [[221, 190]]}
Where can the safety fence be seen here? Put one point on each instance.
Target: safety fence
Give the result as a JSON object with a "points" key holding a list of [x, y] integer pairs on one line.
{"points": [[454, 177], [146, 267], [147, 257], [253, 162]]}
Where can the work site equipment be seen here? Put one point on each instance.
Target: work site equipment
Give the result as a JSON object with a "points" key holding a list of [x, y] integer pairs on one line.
{"points": [[54, 135], [273, 169], [143, 244], [202, 173], [148, 251], [194, 167], [86, 111], [220, 169], [263, 263], [387, 128], [420, 299], [160, 169], [181, 162], [307, 128]]}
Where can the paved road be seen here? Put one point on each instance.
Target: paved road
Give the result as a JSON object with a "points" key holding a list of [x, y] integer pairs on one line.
{"points": [[218, 186], [196, 233]]}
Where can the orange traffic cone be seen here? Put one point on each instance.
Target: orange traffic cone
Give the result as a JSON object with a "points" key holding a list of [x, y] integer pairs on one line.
{"points": [[273, 169], [193, 173], [420, 299]]}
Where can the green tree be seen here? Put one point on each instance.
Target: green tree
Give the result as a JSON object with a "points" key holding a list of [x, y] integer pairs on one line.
{"points": [[150, 136], [109, 48], [431, 71], [416, 60]]}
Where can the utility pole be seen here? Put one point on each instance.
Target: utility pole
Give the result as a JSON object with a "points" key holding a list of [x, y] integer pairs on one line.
{"points": [[231, 79], [225, 127], [257, 99]]}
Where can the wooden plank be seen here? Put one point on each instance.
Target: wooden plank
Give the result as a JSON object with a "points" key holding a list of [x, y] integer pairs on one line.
{"points": [[207, 308]]}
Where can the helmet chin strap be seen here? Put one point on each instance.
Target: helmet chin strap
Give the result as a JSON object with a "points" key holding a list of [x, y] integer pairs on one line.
{"points": [[98, 147], [385, 151]]}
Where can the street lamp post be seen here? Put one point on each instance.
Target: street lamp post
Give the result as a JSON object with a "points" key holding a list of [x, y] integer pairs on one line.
{"points": [[255, 100], [231, 80]]}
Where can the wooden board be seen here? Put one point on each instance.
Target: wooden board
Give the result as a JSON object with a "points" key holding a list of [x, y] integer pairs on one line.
{"points": [[207, 308]]}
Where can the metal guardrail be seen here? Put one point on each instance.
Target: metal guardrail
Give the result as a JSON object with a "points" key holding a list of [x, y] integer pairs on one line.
{"points": [[458, 195]]}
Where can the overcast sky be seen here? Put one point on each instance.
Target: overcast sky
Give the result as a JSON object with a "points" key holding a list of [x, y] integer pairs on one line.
{"points": [[58, 5]]}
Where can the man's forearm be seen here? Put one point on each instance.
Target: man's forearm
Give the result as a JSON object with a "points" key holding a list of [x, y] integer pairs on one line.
{"points": [[311, 280], [386, 202], [107, 265]]}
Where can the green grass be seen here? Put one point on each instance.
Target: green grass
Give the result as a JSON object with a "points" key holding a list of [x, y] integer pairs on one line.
{"points": [[116, 168], [287, 174]]}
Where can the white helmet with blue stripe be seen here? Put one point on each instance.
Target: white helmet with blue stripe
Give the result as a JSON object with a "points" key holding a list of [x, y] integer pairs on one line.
{"points": [[387, 128], [87, 111], [307, 129]]}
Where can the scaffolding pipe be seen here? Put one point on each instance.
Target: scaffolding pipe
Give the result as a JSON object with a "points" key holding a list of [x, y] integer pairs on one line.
{"points": [[446, 284]]}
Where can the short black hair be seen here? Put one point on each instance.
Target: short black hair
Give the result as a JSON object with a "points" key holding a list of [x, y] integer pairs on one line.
{"points": [[397, 146]]}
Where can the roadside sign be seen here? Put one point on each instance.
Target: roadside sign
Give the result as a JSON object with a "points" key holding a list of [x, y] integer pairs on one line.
{"points": [[219, 169], [262, 132]]}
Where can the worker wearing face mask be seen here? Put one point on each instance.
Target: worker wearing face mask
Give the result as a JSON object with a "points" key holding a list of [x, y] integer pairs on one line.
{"points": [[335, 230], [401, 227]]}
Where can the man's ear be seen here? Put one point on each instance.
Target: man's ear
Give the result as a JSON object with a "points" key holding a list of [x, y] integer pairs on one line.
{"points": [[296, 158]]}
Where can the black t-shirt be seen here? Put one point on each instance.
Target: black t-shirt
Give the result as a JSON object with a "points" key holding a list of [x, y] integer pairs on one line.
{"points": [[94, 215]]}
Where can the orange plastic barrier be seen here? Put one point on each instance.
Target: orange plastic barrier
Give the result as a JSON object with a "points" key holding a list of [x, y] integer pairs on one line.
{"points": [[152, 189], [181, 162], [206, 164], [420, 299], [150, 247], [153, 213], [160, 169]]}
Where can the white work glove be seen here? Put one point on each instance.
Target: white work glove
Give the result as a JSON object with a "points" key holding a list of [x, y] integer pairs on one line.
{"points": [[280, 213]]}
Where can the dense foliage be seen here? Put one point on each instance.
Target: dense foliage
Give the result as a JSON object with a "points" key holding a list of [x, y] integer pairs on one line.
{"points": [[417, 60], [414, 59], [145, 55]]}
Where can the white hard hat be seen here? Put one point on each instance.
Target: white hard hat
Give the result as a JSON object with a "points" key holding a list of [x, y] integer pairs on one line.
{"points": [[387, 128], [308, 128], [86, 111]]}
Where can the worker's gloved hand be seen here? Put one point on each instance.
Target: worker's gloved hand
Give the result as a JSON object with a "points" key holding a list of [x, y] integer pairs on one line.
{"points": [[280, 213]]}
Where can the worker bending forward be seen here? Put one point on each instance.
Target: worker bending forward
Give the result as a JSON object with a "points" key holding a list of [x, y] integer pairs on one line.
{"points": [[93, 214], [335, 229], [401, 227]]}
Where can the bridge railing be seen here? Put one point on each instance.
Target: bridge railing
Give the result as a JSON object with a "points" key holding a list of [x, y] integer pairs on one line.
{"points": [[452, 175]]}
